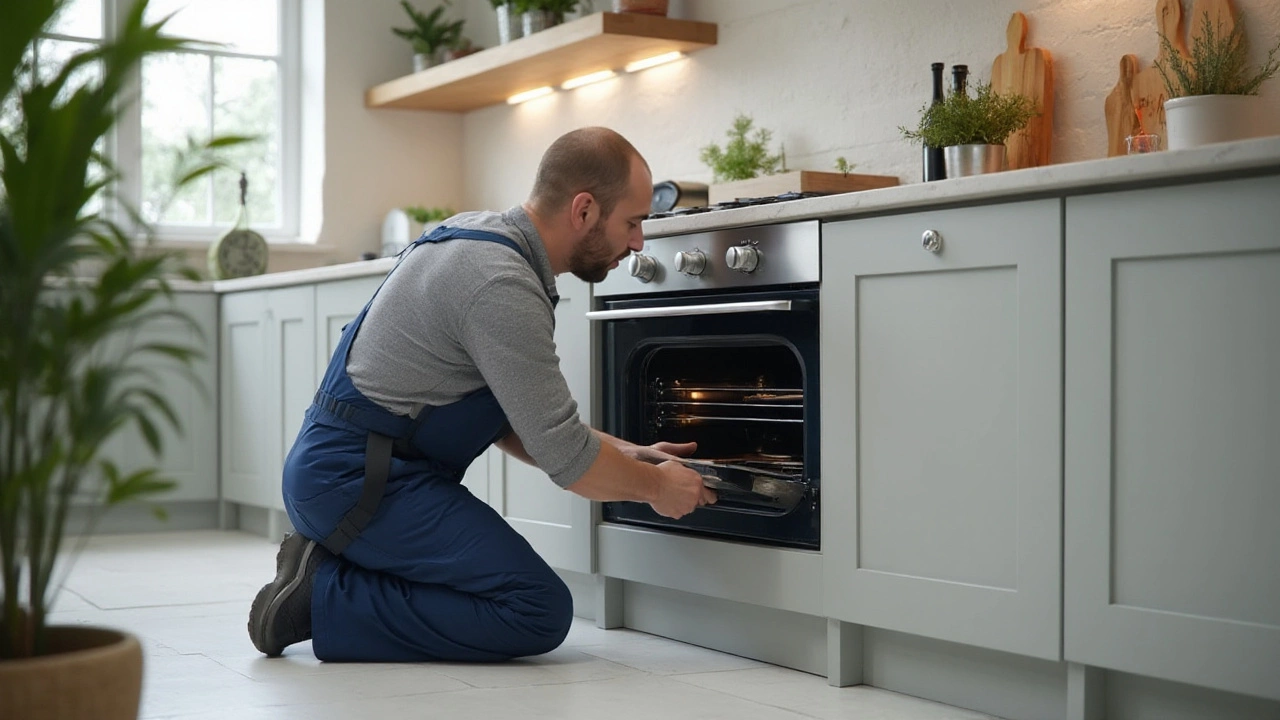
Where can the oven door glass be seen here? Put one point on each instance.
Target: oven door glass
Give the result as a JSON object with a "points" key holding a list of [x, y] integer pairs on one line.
{"points": [[741, 382]]}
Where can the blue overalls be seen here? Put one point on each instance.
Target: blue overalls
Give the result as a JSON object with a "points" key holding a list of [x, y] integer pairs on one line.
{"points": [[423, 570]]}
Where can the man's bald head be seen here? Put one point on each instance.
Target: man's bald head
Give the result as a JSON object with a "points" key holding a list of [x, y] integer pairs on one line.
{"points": [[593, 160]]}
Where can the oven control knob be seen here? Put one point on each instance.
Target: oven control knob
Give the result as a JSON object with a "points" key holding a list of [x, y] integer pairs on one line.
{"points": [[693, 262], [742, 258], [642, 267]]}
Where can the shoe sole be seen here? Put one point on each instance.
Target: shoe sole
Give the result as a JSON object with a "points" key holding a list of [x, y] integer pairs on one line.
{"points": [[273, 595]]}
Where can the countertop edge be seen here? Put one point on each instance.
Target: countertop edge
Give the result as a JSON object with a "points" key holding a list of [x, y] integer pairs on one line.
{"points": [[1169, 167], [345, 271]]}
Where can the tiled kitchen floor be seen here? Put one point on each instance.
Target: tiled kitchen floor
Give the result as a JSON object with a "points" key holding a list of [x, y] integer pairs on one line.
{"points": [[186, 595]]}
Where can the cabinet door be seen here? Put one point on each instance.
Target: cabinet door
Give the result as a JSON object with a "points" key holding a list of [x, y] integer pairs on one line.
{"points": [[338, 303], [243, 398], [555, 521], [291, 375], [941, 424], [190, 453], [1173, 433]]}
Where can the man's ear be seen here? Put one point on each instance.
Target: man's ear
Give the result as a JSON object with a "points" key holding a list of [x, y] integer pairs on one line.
{"points": [[584, 211]]}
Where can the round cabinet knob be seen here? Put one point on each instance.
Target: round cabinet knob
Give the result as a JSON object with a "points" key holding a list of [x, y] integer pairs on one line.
{"points": [[693, 262], [642, 267], [932, 241], [742, 258]]}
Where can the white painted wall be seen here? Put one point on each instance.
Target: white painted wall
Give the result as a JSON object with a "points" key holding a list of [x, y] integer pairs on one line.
{"points": [[830, 78]]}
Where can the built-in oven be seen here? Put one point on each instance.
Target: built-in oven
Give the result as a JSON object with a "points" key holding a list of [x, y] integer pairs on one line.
{"points": [[713, 338]]}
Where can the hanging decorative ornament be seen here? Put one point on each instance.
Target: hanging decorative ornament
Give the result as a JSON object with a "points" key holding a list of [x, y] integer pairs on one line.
{"points": [[241, 252]]}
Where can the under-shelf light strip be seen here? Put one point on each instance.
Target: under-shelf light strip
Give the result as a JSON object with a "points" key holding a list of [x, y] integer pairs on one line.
{"points": [[595, 77]]}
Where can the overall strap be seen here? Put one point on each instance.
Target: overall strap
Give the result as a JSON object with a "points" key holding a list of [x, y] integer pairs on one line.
{"points": [[441, 234], [383, 428]]}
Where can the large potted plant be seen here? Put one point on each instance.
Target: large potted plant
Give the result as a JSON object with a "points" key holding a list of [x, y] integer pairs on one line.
{"points": [[972, 130], [430, 35], [73, 287], [1213, 94]]}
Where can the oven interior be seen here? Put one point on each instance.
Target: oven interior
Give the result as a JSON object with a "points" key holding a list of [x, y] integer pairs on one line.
{"points": [[742, 401]]}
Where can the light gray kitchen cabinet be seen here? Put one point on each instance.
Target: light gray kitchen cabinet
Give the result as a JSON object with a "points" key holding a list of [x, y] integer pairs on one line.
{"points": [[338, 303], [941, 424], [555, 521], [1172, 463], [190, 453], [268, 366]]}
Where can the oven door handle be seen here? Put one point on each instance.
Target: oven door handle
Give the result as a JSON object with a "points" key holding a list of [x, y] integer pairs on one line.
{"points": [[712, 309]]}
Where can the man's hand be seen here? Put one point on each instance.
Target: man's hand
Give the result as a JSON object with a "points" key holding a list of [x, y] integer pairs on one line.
{"points": [[681, 491], [661, 451]]}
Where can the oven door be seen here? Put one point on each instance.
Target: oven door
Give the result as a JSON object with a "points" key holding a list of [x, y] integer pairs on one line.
{"points": [[736, 373]]}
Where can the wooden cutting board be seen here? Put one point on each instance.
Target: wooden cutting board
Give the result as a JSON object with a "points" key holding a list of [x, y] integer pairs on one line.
{"points": [[1028, 71], [1122, 121], [1148, 85], [1221, 16], [827, 183]]}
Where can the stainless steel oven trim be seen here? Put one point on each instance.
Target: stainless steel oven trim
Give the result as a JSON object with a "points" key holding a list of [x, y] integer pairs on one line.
{"points": [[681, 310]]}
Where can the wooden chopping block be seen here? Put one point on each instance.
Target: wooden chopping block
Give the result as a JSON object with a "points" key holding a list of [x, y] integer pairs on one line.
{"points": [[1122, 121], [1029, 72], [1148, 85], [1221, 17]]}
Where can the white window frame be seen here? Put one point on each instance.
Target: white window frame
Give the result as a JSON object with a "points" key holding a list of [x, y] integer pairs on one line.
{"points": [[125, 145]]}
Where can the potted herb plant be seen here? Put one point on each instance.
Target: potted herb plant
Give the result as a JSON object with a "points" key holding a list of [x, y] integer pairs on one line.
{"points": [[74, 288], [508, 20], [539, 15], [430, 35], [429, 218], [1213, 94], [972, 130], [744, 157]]}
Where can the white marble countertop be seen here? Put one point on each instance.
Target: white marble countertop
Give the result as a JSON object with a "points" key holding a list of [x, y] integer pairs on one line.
{"points": [[360, 268], [1248, 156], [1226, 159]]}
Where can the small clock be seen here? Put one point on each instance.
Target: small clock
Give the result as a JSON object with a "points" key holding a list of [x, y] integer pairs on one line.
{"points": [[239, 253]]}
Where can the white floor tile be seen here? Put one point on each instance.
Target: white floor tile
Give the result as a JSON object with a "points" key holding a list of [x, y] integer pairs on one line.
{"points": [[811, 696], [186, 596]]}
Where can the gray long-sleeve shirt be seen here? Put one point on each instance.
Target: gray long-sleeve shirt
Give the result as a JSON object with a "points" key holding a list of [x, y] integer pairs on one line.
{"points": [[456, 316]]}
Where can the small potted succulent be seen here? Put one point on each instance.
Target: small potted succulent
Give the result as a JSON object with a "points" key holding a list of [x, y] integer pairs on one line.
{"points": [[1213, 95], [430, 35], [972, 130], [537, 15]]}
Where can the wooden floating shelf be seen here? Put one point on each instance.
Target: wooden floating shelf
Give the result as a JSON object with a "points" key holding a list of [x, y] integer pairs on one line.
{"points": [[603, 41]]}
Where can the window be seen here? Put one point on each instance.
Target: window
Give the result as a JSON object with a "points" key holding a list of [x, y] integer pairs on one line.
{"points": [[245, 84]]}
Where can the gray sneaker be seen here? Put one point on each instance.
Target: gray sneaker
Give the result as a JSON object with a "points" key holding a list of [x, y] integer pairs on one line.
{"points": [[281, 613]]}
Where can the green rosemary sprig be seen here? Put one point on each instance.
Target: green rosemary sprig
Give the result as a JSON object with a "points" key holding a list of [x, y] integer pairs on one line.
{"points": [[1218, 64], [987, 118]]}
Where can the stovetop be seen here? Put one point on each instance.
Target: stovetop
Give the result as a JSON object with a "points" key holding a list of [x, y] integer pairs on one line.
{"points": [[735, 203]]}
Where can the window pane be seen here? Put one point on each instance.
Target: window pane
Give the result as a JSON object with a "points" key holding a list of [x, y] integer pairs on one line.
{"points": [[246, 102], [52, 55], [10, 112], [175, 106], [81, 18], [248, 26]]}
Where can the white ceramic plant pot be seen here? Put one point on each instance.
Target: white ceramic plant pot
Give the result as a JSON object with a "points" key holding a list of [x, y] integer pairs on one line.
{"points": [[509, 24], [966, 160], [1204, 119]]}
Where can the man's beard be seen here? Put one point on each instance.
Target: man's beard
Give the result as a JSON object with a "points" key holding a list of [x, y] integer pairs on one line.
{"points": [[592, 257]]}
